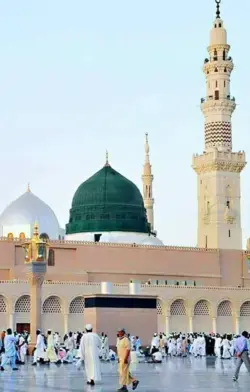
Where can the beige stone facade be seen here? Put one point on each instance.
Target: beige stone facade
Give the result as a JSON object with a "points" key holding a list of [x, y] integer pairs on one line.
{"points": [[197, 289], [217, 309]]}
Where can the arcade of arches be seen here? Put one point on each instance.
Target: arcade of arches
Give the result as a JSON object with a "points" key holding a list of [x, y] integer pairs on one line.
{"points": [[174, 316], [203, 316], [54, 314]]}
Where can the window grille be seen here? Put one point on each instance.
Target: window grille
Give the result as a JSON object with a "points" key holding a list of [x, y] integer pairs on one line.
{"points": [[52, 305], [23, 304], [77, 305]]}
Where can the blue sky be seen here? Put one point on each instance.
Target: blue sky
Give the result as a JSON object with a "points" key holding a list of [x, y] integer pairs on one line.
{"points": [[79, 77]]}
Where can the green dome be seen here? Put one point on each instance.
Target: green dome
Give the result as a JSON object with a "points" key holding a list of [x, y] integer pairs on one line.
{"points": [[107, 201]]}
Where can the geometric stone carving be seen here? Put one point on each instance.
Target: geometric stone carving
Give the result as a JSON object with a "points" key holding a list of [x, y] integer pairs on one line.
{"points": [[201, 308], [178, 308], [224, 309], [245, 309], [52, 305], [22, 305], [77, 305], [218, 133], [159, 307], [3, 305]]}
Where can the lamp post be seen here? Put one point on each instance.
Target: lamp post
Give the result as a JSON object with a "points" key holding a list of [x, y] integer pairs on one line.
{"points": [[36, 256]]}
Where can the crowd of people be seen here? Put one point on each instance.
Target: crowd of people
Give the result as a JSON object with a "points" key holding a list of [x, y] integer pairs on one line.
{"points": [[88, 349], [198, 345]]}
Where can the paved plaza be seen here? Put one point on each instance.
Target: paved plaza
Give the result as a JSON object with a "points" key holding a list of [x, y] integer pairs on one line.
{"points": [[176, 374]]}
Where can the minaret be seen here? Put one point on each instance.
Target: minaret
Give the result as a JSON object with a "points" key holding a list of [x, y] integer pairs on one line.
{"points": [[147, 180], [218, 168]]}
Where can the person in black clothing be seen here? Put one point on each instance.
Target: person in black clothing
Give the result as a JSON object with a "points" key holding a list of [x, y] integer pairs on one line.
{"points": [[210, 342]]}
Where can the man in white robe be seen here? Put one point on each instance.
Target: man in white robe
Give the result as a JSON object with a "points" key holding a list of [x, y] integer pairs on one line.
{"points": [[40, 348], [155, 343], [22, 347], [9, 355], [89, 349]]}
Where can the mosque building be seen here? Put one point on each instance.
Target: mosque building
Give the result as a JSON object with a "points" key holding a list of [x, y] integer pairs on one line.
{"points": [[111, 237]]}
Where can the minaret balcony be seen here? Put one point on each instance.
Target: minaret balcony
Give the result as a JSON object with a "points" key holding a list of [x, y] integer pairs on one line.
{"points": [[217, 66], [218, 58], [213, 98], [219, 161]]}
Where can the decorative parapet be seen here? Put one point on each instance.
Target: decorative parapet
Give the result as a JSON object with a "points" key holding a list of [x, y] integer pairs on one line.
{"points": [[219, 161], [151, 287], [68, 243]]}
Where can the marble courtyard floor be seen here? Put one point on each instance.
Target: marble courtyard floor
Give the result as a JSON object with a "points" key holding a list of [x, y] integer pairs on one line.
{"points": [[176, 374]]}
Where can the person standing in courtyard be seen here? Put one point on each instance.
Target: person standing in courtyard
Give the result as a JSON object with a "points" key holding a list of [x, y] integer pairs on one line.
{"points": [[89, 351], [123, 352], [9, 355], [241, 348]]}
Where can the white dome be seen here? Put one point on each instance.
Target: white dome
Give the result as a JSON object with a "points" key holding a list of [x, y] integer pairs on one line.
{"points": [[117, 237], [22, 213]]}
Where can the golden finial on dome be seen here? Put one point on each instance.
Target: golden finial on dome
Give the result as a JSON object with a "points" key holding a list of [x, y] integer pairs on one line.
{"points": [[28, 188]]}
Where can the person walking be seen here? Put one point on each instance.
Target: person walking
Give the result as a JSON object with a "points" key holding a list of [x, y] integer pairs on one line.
{"points": [[123, 352], [241, 354], [89, 351]]}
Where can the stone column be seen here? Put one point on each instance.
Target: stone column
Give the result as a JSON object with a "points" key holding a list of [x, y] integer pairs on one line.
{"points": [[66, 322], [36, 273], [12, 321], [191, 324], [167, 325], [237, 325], [214, 325]]}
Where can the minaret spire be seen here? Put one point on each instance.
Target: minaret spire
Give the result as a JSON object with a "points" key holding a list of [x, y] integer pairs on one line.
{"points": [[218, 168], [147, 180], [107, 158], [218, 8]]}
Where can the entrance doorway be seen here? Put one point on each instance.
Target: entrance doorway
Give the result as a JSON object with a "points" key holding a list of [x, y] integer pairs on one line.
{"points": [[20, 327]]}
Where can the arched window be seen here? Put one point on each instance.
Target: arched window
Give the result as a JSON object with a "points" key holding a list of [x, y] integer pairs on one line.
{"points": [[23, 304], [77, 305], [224, 309], [159, 307], [224, 54], [178, 308], [52, 305], [216, 95], [3, 305], [215, 55], [201, 308], [216, 83], [245, 309], [51, 258]]}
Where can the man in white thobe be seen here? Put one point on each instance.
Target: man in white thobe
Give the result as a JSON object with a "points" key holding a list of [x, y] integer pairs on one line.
{"points": [[40, 348], [71, 343], [89, 350], [155, 343], [22, 347]]}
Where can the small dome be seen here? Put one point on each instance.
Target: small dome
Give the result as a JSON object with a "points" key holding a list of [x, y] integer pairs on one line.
{"points": [[19, 217], [107, 201]]}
